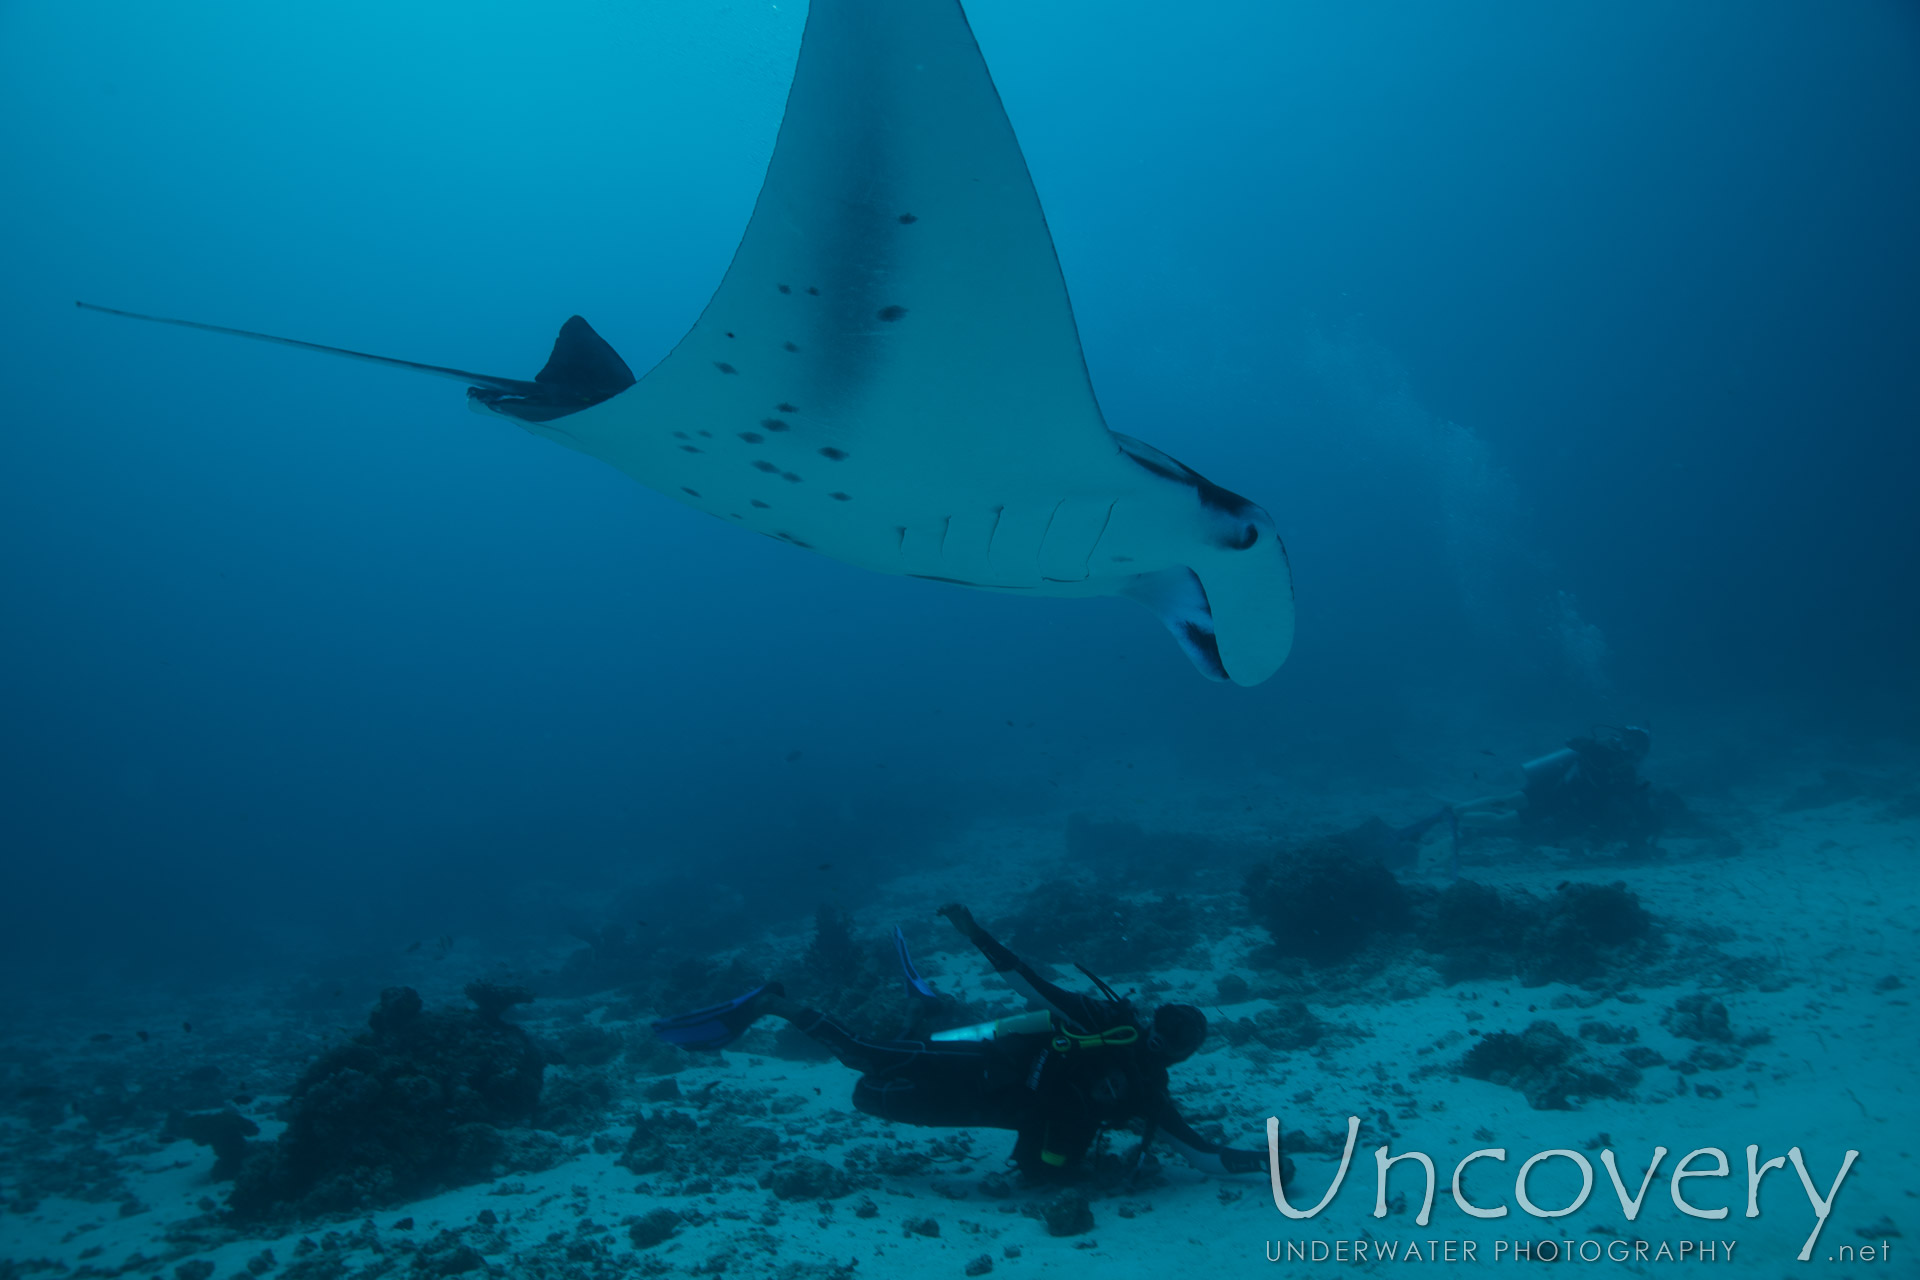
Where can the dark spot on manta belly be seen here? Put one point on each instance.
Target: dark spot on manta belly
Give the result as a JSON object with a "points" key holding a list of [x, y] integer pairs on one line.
{"points": [[759, 504], [815, 292], [691, 448], [752, 437], [681, 435], [891, 313], [841, 497], [790, 346], [764, 465], [784, 407], [907, 219], [724, 367], [773, 424], [783, 288], [785, 536], [729, 334], [789, 477], [692, 493], [706, 435], [828, 451]]}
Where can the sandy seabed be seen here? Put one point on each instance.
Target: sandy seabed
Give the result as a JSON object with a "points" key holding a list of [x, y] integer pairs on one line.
{"points": [[1806, 935]]}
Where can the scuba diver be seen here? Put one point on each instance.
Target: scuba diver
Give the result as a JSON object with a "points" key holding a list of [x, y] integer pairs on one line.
{"points": [[1057, 1077], [1590, 790]]}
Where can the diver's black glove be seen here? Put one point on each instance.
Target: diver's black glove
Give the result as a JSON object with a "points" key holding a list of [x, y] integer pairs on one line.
{"points": [[962, 919]]}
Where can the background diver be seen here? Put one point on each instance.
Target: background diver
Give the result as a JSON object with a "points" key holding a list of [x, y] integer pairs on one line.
{"points": [[1057, 1077], [1588, 792]]}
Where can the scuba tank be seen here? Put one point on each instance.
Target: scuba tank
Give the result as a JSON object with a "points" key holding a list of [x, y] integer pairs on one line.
{"points": [[1631, 743], [1018, 1024], [1553, 767], [1040, 1021]]}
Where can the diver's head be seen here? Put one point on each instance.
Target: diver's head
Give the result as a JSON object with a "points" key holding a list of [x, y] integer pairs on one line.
{"points": [[1637, 741], [1178, 1032]]}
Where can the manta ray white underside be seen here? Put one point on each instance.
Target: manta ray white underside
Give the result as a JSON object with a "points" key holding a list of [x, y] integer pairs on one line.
{"points": [[890, 375]]}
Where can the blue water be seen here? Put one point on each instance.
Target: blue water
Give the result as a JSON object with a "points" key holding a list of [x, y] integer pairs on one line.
{"points": [[1570, 346]]}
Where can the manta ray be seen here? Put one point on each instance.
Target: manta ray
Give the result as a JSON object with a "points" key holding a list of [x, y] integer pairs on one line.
{"points": [[889, 373]]}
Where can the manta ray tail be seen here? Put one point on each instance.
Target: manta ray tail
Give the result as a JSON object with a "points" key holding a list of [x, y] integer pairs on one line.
{"points": [[582, 371]]}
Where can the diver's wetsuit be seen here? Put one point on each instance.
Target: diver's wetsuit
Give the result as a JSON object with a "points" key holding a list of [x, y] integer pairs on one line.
{"points": [[1056, 1089], [1598, 795]]}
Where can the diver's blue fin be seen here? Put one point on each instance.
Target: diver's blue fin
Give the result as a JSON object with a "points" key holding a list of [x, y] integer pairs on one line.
{"points": [[916, 985], [716, 1026]]}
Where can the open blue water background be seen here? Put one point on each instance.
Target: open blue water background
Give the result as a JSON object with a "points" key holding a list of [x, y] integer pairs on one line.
{"points": [[1572, 347]]}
